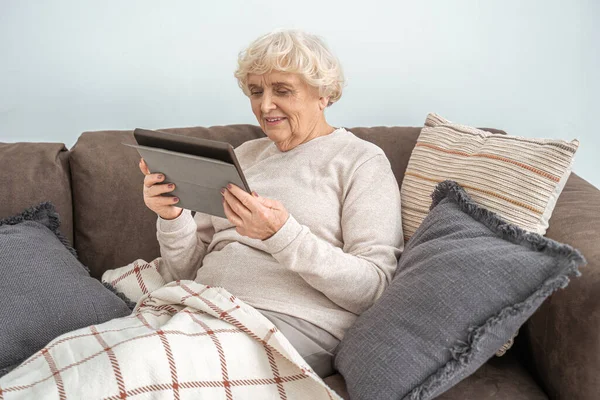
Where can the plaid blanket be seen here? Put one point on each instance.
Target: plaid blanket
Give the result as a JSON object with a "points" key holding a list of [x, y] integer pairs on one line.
{"points": [[183, 340]]}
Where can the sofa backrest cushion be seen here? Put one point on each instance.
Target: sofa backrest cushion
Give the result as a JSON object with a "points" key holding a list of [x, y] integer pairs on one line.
{"points": [[33, 173], [397, 143], [113, 226]]}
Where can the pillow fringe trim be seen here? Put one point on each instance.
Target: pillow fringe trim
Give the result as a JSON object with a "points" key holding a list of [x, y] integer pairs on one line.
{"points": [[37, 213], [130, 304], [452, 190], [462, 352]]}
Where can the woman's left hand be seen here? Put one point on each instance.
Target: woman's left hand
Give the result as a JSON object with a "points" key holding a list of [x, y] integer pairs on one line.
{"points": [[253, 216]]}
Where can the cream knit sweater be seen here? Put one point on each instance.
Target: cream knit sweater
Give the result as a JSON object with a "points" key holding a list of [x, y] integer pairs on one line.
{"points": [[335, 254]]}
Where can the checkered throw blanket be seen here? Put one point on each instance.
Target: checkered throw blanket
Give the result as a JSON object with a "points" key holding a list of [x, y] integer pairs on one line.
{"points": [[184, 340]]}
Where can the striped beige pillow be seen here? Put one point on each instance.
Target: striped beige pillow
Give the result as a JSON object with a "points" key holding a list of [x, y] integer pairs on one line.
{"points": [[518, 178]]}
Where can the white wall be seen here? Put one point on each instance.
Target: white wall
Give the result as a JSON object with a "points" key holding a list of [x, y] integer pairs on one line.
{"points": [[529, 67]]}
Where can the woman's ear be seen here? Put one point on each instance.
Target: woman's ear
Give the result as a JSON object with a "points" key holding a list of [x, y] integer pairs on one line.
{"points": [[323, 102]]}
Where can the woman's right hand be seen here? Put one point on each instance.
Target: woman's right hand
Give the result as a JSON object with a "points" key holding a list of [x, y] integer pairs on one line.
{"points": [[164, 206]]}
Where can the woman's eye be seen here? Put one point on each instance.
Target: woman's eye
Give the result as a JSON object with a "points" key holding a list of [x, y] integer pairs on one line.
{"points": [[283, 92], [255, 93]]}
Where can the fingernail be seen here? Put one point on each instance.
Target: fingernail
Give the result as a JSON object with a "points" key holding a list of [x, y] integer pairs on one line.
{"points": [[223, 191], [171, 186], [175, 199], [161, 176], [254, 194], [229, 186]]}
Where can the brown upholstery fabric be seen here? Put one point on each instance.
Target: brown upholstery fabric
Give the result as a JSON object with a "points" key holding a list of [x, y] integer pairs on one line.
{"points": [[36, 172], [500, 378], [337, 383], [564, 334], [113, 225], [107, 188]]}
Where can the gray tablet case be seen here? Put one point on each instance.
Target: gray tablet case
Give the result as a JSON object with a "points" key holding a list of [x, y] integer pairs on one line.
{"points": [[198, 180]]}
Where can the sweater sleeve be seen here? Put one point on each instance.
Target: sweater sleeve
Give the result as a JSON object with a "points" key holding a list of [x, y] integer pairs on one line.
{"points": [[354, 276], [183, 244]]}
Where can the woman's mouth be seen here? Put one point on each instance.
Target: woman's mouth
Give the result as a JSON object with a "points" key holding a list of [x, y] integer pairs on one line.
{"points": [[274, 120]]}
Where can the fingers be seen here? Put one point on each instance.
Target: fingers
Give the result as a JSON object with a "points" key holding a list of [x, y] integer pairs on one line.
{"points": [[164, 200], [155, 196], [164, 206], [231, 215], [253, 216], [247, 200], [150, 179], [144, 167], [157, 190], [235, 204], [269, 203], [152, 186], [153, 179]]}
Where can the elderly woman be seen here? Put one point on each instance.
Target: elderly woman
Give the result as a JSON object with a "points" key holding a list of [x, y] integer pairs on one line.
{"points": [[318, 242]]}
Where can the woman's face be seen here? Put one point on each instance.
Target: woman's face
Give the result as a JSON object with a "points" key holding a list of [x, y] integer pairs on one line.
{"points": [[289, 111]]}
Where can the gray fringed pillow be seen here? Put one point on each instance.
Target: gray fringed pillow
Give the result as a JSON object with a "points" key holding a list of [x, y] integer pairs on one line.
{"points": [[44, 290], [466, 282]]}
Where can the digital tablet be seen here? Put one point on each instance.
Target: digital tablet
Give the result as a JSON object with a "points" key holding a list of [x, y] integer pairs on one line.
{"points": [[199, 168]]}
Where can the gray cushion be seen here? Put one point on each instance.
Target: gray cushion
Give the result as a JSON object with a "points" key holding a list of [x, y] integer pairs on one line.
{"points": [[464, 284], [44, 290]]}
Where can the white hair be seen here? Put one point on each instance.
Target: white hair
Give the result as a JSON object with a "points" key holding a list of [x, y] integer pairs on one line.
{"points": [[296, 52]]}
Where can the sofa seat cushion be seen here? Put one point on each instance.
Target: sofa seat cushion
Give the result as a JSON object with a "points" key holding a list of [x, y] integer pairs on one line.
{"points": [[501, 378]]}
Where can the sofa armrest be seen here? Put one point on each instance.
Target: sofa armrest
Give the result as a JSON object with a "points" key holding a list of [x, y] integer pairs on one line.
{"points": [[564, 333]]}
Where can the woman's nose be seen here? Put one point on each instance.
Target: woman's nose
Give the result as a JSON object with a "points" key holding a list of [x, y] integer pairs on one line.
{"points": [[267, 104]]}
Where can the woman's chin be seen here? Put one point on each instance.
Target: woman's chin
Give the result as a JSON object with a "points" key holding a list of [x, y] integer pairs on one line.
{"points": [[276, 135]]}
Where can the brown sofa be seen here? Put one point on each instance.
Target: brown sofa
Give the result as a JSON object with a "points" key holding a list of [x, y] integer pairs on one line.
{"points": [[96, 188]]}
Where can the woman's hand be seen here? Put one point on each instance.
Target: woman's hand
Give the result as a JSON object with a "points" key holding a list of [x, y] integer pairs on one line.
{"points": [[164, 206], [253, 216]]}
